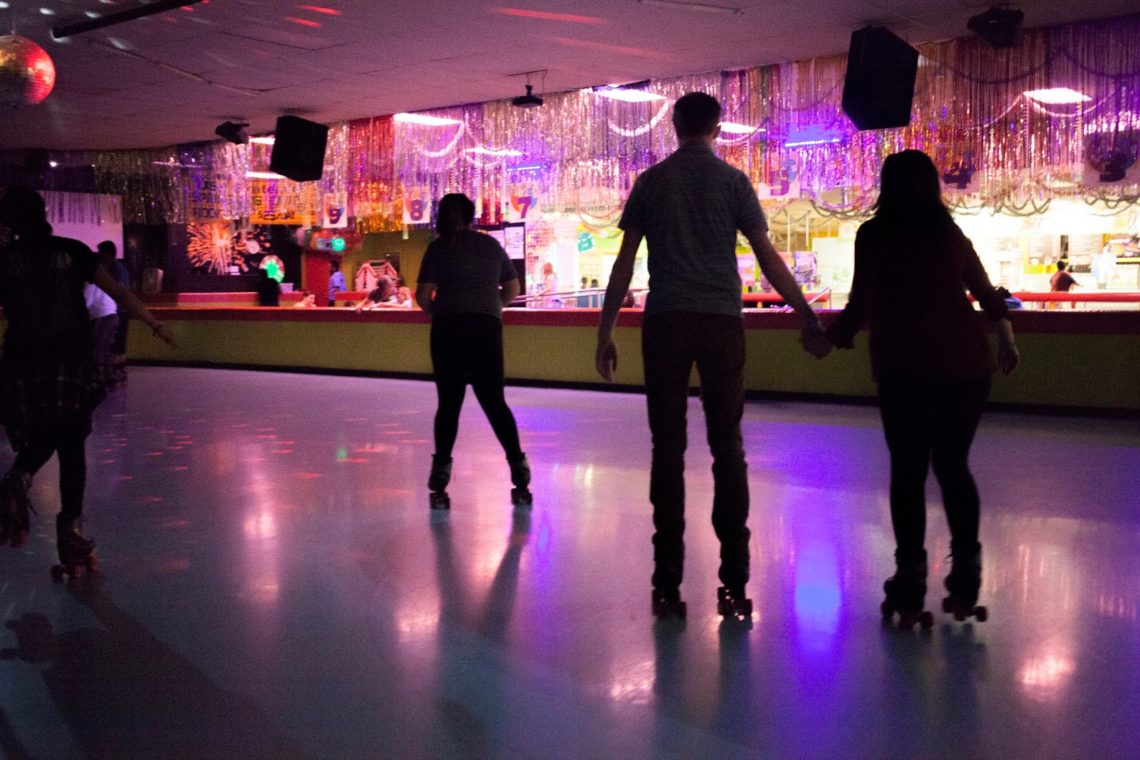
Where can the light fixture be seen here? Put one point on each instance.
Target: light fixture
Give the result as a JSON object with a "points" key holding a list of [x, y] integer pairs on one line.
{"points": [[1001, 27], [263, 140], [264, 175], [627, 93], [530, 100], [233, 132], [489, 152], [27, 73], [1056, 96], [732, 128], [424, 119], [701, 7]]}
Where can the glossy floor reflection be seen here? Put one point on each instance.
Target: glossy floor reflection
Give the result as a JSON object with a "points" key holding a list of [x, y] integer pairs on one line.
{"points": [[275, 586]]}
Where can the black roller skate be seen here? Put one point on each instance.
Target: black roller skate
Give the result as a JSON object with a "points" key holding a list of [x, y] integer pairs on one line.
{"points": [[437, 482], [963, 582], [15, 507], [667, 605], [76, 551], [905, 594], [731, 603], [520, 479]]}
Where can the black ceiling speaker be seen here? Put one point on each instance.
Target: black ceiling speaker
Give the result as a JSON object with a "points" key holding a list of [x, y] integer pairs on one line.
{"points": [[879, 86], [299, 148], [530, 100], [233, 131], [1001, 27]]}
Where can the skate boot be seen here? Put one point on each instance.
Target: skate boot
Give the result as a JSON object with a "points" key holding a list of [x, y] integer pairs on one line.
{"points": [[75, 549], [437, 482], [731, 603], [520, 479], [905, 592], [963, 582], [15, 507], [667, 605]]}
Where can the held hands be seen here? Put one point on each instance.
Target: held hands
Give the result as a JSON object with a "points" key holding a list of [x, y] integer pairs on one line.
{"points": [[605, 358], [813, 339]]}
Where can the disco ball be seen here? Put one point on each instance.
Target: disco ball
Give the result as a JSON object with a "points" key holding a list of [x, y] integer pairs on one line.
{"points": [[27, 73]]}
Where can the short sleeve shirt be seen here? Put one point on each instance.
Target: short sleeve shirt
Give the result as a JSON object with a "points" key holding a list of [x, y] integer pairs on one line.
{"points": [[467, 274], [41, 290], [690, 207]]}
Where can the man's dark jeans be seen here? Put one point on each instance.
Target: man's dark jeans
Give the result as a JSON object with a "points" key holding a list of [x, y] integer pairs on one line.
{"points": [[670, 344]]}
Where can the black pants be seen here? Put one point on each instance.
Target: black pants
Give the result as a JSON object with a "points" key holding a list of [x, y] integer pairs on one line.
{"points": [[932, 424], [671, 343], [468, 348], [72, 449]]}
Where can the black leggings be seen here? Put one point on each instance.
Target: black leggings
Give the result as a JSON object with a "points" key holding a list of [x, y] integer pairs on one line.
{"points": [[932, 424], [72, 449], [468, 348]]}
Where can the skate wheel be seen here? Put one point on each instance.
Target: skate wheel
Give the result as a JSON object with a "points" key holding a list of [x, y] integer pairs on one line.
{"points": [[57, 573], [981, 613], [947, 605], [440, 501], [926, 620], [887, 610]]}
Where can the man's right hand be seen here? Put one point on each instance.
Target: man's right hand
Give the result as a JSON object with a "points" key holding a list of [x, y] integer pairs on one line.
{"points": [[605, 358], [814, 340]]}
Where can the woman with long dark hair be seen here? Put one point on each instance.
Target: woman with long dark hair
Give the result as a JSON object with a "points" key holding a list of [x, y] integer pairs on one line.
{"points": [[465, 281], [932, 362]]}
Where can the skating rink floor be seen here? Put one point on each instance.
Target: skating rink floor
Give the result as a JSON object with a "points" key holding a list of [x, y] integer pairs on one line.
{"points": [[273, 585]]}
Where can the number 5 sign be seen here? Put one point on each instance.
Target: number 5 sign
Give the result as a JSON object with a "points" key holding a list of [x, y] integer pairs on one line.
{"points": [[522, 208]]}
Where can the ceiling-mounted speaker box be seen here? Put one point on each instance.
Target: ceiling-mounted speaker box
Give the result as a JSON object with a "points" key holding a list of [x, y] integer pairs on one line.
{"points": [[299, 148], [878, 89]]}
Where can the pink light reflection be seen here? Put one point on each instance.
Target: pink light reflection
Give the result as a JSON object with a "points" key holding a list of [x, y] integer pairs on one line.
{"points": [[303, 22], [572, 18]]}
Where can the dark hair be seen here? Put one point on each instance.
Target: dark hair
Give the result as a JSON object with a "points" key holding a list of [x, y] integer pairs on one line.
{"points": [[456, 211], [910, 190], [22, 206], [107, 248], [695, 115]]}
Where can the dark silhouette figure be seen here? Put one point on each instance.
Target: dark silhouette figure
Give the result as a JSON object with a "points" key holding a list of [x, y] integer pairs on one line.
{"points": [[689, 209], [465, 281], [932, 363], [49, 380]]}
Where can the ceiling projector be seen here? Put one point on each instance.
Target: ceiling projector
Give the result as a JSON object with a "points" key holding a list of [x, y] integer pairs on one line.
{"points": [[530, 100]]}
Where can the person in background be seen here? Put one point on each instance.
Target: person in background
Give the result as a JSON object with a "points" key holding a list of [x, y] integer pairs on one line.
{"points": [[108, 255], [689, 208], [268, 290], [48, 380], [1062, 281], [404, 298], [465, 281], [932, 363], [379, 297], [308, 301], [336, 281], [103, 311], [549, 288]]}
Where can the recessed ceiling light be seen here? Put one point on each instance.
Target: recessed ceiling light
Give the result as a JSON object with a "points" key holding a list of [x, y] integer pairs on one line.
{"points": [[426, 120], [1056, 96], [627, 96]]}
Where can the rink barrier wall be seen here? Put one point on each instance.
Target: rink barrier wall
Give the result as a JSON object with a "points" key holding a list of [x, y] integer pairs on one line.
{"points": [[1079, 360]]}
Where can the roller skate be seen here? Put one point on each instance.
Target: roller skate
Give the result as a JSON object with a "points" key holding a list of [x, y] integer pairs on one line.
{"points": [[76, 555], [667, 605], [731, 603], [15, 507], [963, 582], [437, 482], [905, 592], [520, 479]]}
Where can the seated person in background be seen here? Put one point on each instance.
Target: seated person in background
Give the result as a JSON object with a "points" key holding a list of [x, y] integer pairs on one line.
{"points": [[268, 290], [308, 301], [404, 299], [379, 296]]}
